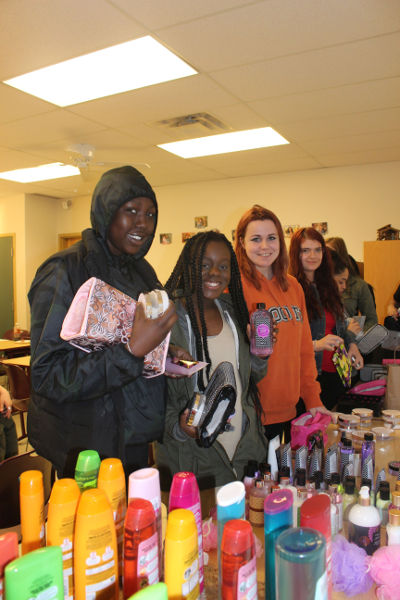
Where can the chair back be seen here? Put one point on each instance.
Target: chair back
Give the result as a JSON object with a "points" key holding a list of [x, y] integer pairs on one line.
{"points": [[24, 334], [18, 381], [10, 470]]}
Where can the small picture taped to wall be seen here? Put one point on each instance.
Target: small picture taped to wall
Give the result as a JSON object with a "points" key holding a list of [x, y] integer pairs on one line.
{"points": [[289, 230], [200, 222], [321, 227], [165, 238], [186, 235], [233, 235]]}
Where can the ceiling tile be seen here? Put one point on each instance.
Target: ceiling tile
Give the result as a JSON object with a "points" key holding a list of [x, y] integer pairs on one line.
{"points": [[371, 95], [375, 58], [276, 28], [341, 125], [156, 14], [38, 130], [50, 31]]}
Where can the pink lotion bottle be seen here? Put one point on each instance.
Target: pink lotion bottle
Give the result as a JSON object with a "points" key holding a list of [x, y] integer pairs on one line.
{"points": [[145, 483], [261, 327], [184, 493]]}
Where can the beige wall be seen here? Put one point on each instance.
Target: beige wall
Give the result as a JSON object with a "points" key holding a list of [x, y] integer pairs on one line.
{"points": [[355, 201]]}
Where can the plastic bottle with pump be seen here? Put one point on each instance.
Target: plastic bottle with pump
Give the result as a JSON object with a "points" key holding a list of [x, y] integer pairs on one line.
{"points": [[393, 527], [364, 523]]}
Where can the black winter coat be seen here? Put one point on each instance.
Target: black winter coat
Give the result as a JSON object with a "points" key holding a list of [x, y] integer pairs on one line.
{"points": [[98, 400]]}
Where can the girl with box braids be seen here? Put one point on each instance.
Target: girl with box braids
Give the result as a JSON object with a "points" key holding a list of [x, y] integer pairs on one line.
{"points": [[211, 328], [186, 282]]}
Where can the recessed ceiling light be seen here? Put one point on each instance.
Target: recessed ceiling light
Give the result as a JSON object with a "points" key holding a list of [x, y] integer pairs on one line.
{"points": [[128, 66], [226, 142], [40, 173]]}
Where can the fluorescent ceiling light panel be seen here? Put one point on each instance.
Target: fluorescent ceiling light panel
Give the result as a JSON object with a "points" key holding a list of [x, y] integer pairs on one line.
{"points": [[40, 173], [128, 66], [226, 142]]}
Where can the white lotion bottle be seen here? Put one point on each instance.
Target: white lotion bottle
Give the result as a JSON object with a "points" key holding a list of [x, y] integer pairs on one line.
{"points": [[393, 527], [364, 523]]}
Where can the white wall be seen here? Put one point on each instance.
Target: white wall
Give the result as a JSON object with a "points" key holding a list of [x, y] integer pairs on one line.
{"points": [[355, 201]]}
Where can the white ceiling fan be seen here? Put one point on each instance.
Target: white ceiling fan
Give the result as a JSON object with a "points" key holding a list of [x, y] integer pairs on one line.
{"points": [[81, 155]]}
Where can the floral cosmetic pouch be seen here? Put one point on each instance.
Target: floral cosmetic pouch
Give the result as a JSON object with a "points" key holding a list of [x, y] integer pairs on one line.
{"points": [[100, 315]]}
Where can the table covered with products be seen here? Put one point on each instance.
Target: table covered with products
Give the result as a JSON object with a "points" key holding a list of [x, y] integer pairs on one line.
{"points": [[387, 450]]}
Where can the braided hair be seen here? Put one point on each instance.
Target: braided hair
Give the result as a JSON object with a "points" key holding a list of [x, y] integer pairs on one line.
{"points": [[186, 282]]}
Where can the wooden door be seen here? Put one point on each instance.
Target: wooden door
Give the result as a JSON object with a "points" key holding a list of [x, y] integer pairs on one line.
{"points": [[382, 271]]}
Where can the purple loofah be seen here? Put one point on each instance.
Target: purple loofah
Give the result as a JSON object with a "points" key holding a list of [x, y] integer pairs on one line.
{"points": [[349, 568]]}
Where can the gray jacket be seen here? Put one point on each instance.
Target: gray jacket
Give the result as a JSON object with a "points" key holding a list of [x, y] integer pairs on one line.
{"points": [[179, 452]]}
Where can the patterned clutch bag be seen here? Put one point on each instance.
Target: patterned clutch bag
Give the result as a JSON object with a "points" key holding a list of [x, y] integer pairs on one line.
{"points": [[100, 315], [342, 363]]}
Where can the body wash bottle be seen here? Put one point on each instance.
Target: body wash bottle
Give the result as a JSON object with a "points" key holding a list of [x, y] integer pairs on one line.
{"points": [[8, 552], [181, 566], [87, 469], [31, 498], [95, 551], [63, 504], [35, 576], [364, 523], [111, 480]]}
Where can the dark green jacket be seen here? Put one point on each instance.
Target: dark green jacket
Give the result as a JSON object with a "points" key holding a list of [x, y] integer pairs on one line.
{"points": [[211, 466], [95, 400], [357, 299]]}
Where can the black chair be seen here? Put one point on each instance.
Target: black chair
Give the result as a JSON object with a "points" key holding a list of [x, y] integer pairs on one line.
{"points": [[20, 392], [10, 470]]}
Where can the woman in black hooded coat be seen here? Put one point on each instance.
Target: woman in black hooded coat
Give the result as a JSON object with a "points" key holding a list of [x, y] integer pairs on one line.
{"points": [[98, 400]]}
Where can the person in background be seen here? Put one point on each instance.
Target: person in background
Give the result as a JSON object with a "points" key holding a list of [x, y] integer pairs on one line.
{"points": [[99, 400], [311, 265], [358, 296], [341, 275], [8, 432], [263, 261], [392, 320], [212, 327]]}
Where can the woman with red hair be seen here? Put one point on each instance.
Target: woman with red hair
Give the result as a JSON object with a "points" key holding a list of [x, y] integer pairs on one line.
{"points": [[263, 262], [311, 264]]}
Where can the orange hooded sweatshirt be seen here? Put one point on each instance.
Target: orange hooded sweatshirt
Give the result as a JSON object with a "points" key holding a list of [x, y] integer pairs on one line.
{"points": [[291, 367]]}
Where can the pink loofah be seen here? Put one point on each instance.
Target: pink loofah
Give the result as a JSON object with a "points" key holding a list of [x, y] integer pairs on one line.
{"points": [[210, 538], [384, 569], [349, 567], [210, 535]]}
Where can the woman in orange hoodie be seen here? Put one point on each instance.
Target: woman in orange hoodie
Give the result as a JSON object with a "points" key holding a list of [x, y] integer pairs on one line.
{"points": [[263, 261]]}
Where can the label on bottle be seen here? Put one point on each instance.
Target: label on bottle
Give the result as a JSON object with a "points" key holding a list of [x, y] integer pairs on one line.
{"points": [[262, 330], [256, 509], [196, 510], [247, 581], [368, 538], [100, 564], [321, 588], [147, 561], [190, 584]]}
